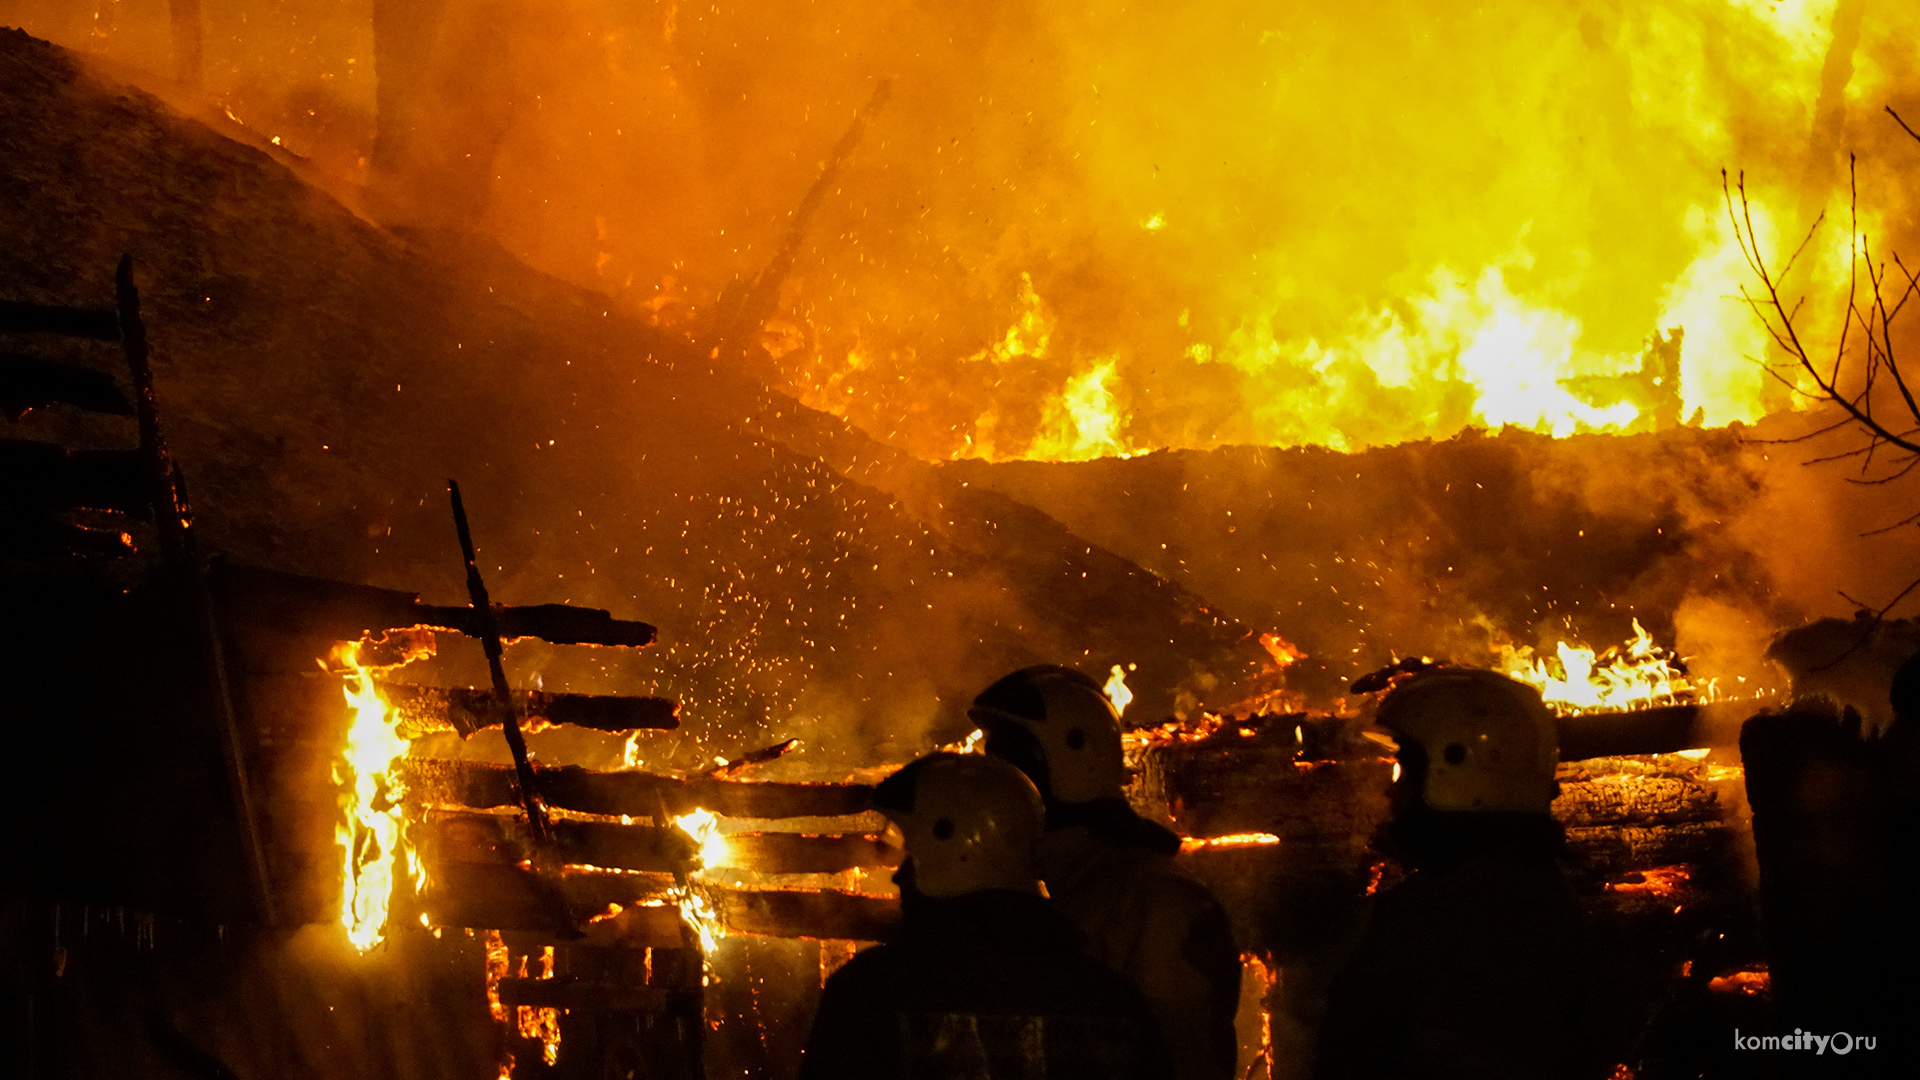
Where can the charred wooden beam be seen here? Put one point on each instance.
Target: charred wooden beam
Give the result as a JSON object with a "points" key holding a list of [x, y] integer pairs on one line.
{"points": [[97, 324], [1610, 851], [508, 898], [556, 623], [466, 837], [455, 836], [342, 611], [432, 708], [800, 853], [578, 996], [27, 383], [50, 476], [824, 914], [39, 534], [1664, 730], [434, 781]]}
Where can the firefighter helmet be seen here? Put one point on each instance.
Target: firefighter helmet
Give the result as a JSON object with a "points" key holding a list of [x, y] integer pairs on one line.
{"points": [[1057, 725], [1488, 741], [968, 822]]}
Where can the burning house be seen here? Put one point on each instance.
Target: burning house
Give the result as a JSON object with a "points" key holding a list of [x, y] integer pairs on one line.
{"points": [[804, 372]]}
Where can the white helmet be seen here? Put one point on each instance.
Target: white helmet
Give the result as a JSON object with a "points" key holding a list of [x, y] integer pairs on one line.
{"points": [[1057, 725], [1489, 742], [969, 822]]}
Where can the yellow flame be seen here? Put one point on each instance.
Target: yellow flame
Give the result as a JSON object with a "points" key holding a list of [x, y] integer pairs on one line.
{"points": [[371, 832], [1635, 675], [540, 1022], [1082, 422], [1116, 690], [696, 905], [703, 826]]}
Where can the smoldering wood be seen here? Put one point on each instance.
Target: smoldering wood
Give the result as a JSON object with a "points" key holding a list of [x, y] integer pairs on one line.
{"points": [[432, 708], [821, 914], [28, 383], [1635, 800], [1605, 852], [50, 476], [469, 837], [97, 324], [753, 757], [40, 534], [439, 782], [341, 611]]}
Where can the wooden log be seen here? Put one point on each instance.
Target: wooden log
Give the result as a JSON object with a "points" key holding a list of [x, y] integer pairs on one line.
{"points": [[508, 898], [1653, 731], [820, 914], [99, 324], [51, 476], [503, 897], [342, 611], [800, 853], [28, 383], [1635, 800], [1611, 851], [494, 838], [420, 709], [438, 782]]}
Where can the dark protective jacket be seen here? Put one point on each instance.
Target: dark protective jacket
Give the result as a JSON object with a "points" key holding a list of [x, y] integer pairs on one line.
{"points": [[1473, 968], [991, 985], [1112, 874]]}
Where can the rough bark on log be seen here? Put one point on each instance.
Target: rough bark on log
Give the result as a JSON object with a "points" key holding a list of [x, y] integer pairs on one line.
{"points": [[1610, 851], [432, 781], [1635, 800], [431, 708]]}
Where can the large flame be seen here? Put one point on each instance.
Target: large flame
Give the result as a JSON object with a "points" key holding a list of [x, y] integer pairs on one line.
{"points": [[697, 908], [374, 851], [1637, 674]]}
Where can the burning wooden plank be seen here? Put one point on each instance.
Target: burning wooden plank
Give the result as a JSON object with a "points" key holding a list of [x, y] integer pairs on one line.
{"points": [[432, 708], [506, 897], [434, 781]]}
